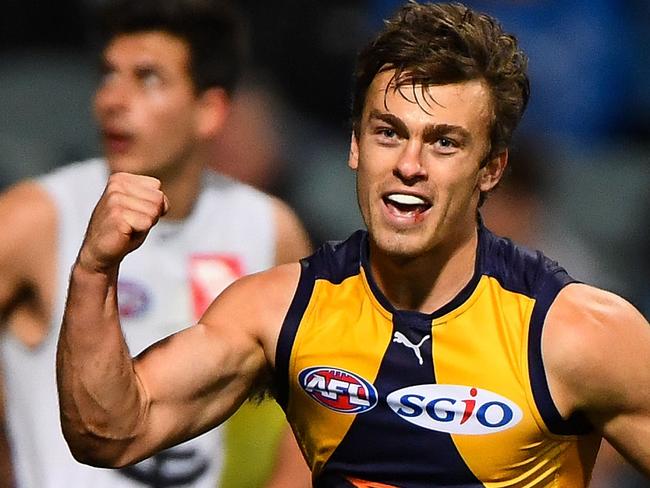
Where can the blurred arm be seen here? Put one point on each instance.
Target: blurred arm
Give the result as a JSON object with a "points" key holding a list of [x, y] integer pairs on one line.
{"points": [[27, 260], [292, 242], [290, 470], [6, 470]]}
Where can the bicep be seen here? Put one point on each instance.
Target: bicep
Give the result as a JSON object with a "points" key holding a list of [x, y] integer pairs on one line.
{"points": [[194, 380]]}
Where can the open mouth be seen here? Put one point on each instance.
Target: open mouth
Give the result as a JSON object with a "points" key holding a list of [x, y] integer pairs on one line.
{"points": [[405, 205], [117, 142]]}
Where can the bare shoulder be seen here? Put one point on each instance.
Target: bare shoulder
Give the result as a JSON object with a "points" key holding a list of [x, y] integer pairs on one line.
{"points": [[267, 289], [30, 213], [25, 204], [593, 342], [28, 249], [256, 305], [292, 240]]}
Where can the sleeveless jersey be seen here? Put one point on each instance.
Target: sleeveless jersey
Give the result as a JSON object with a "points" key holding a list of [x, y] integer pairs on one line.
{"points": [[380, 397], [163, 286]]}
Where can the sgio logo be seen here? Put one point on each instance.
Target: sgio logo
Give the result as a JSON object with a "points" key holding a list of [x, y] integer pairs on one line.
{"points": [[338, 389], [455, 409]]}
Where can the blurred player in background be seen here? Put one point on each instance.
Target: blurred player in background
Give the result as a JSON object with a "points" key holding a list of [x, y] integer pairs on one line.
{"points": [[169, 72]]}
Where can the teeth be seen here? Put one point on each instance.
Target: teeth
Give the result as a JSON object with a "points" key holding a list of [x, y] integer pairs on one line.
{"points": [[406, 199]]}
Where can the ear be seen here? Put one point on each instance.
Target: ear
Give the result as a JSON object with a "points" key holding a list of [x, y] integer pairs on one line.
{"points": [[490, 174], [213, 110], [353, 158]]}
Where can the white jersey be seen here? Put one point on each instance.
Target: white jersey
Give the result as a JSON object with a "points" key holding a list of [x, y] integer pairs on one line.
{"points": [[163, 287]]}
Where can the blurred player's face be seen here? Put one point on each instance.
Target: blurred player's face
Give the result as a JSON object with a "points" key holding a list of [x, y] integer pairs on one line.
{"points": [[146, 105], [418, 157]]}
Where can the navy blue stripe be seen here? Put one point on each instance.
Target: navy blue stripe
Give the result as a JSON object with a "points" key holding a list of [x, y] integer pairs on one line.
{"points": [[541, 392], [458, 300], [383, 447], [332, 481], [530, 273], [288, 333], [334, 262]]}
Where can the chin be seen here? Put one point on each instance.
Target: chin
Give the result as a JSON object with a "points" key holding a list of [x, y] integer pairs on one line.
{"points": [[126, 165], [119, 163], [398, 245]]}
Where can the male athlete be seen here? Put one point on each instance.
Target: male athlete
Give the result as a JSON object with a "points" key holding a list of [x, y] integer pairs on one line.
{"points": [[424, 352], [169, 71]]}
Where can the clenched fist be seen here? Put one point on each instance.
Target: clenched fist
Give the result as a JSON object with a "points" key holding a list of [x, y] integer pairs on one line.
{"points": [[127, 210]]}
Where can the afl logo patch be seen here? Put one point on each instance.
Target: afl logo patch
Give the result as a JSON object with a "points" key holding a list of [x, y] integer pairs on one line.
{"points": [[455, 409], [132, 298], [338, 389]]}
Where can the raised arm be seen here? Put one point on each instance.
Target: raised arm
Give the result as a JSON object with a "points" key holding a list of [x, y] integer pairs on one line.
{"points": [[115, 410], [597, 354], [28, 252]]}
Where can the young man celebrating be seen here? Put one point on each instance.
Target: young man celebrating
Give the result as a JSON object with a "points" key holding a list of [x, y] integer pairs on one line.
{"points": [[424, 352]]}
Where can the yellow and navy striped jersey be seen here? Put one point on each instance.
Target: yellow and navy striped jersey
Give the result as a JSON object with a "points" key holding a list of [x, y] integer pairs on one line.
{"points": [[381, 397]]}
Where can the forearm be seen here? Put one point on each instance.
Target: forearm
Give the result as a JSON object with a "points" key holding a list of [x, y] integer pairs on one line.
{"points": [[100, 399], [629, 435]]}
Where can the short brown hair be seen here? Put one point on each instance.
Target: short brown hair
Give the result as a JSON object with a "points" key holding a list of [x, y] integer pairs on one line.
{"points": [[436, 44], [213, 30]]}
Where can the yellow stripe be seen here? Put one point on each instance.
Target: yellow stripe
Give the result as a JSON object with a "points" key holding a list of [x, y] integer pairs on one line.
{"points": [[337, 319], [485, 345]]}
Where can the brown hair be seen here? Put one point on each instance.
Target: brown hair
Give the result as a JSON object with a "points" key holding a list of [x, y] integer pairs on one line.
{"points": [[213, 30], [436, 44]]}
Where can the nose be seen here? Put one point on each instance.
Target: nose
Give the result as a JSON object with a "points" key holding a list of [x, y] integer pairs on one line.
{"points": [[111, 97], [410, 167]]}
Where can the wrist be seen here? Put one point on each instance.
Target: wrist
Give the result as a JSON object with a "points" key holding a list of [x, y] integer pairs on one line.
{"points": [[89, 266]]}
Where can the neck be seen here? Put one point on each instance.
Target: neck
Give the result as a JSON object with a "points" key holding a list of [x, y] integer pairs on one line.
{"points": [[428, 282]]}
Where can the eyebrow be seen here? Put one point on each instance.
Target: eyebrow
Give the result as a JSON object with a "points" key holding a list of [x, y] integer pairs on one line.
{"points": [[434, 132], [102, 62], [431, 132], [395, 122]]}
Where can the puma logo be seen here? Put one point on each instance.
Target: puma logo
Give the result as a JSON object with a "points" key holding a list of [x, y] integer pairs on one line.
{"points": [[401, 339]]}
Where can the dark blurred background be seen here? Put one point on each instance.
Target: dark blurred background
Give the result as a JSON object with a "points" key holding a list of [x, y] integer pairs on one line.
{"points": [[578, 187], [584, 139]]}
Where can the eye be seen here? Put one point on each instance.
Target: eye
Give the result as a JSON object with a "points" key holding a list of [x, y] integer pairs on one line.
{"points": [[106, 74], [446, 145], [387, 135], [149, 77], [444, 142]]}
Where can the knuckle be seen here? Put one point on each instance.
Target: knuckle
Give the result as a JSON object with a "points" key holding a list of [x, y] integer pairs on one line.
{"points": [[115, 214], [114, 199]]}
